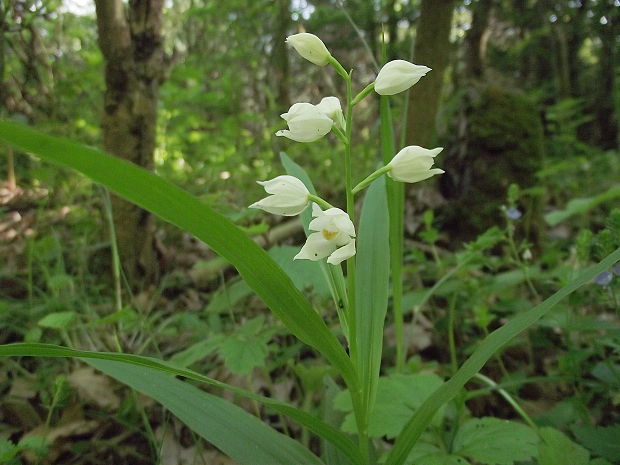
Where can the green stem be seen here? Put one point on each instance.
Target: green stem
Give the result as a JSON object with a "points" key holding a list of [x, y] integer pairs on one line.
{"points": [[364, 93], [451, 340], [370, 178], [116, 263], [341, 135], [515, 405], [361, 413], [318, 200], [336, 64]]}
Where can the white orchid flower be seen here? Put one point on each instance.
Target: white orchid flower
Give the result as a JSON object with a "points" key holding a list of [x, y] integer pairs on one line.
{"points": [[397, 76], [310, 47], [330, 106], [335, 236], [289, 196], [413, 164], [306, 123]]}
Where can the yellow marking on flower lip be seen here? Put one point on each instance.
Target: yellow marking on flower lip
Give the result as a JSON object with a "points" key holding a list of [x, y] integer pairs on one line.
{"points": [[329, 235]]}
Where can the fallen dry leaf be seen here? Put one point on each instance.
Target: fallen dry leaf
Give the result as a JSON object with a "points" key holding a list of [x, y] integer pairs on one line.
{"points": [[94, 387]]}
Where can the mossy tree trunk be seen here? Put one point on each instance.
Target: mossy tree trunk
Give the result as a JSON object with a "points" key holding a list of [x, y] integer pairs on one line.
{"points": [[131, 43], [432, 49]]}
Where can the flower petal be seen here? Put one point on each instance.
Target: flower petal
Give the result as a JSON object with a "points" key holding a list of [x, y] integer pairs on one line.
{"points": [[397, 76], [310, 47], [342, 253], [285, 184], [315, 248]]}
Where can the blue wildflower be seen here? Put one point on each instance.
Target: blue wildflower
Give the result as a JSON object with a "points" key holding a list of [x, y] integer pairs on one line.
{"points": [[604, 278], [513, 214]]}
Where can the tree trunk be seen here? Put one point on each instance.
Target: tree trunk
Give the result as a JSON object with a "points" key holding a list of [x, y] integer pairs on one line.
{"points": [[392, 29], [476, 40], [606, 117], [131, 43], [432, 47], [281, 54]]}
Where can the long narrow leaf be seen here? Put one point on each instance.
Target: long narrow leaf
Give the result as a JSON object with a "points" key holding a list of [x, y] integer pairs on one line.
{"points": [[241, 436], [491, 344], [396, 207], [327, 432], [176, 206], [373, 270]]}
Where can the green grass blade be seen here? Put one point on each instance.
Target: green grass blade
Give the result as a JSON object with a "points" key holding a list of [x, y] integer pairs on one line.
{"points": [[373, 270], [327, 432], [176, 206], [241, 436], [491, 344]]}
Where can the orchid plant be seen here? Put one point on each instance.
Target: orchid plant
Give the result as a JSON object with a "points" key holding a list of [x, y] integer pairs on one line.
{"points": [[335, 236]]}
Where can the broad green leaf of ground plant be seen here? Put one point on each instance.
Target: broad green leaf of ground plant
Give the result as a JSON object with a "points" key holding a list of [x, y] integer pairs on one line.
{"points": [[603, 441], [241, 436], [373, 274], [57, 320], [555, 448], [599, 461], [398, 397], [10, 451], [247, 347], [176, 206], [329, 433], [431, 454], [492, 441], [485, 350]]}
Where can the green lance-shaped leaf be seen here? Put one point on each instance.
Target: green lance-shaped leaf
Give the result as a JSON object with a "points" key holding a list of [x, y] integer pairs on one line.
{"points": [[176, 206], [241, 436], [327, 432], [373, 271], [396, 206], [491, 344]]}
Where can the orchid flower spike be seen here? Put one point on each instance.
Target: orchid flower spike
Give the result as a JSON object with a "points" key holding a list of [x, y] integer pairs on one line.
{"points": [[334, 239], [413, 164], [397, 76], [289, 196], [310, 47], [306, 123]]}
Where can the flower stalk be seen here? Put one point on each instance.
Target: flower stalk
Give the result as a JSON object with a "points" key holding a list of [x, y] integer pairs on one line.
{"points": [[370, 178], [364, 93]]}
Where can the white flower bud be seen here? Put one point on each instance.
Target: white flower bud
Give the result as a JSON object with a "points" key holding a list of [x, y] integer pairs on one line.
{"points": [[413, 164], [306, 123], [310, 47], [289, 196], [397, 76], [334, 239], [330, 106]]}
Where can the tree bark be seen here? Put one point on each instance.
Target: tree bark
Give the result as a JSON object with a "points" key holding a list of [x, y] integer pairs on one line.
{"points": [[131, 43], [432, 49], [476, 40], [606, 116], [281, 54]]}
